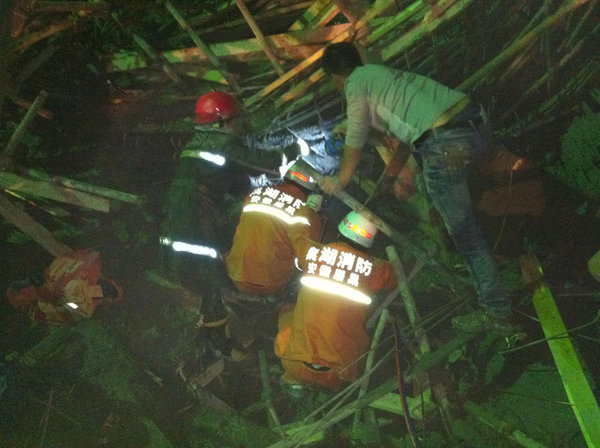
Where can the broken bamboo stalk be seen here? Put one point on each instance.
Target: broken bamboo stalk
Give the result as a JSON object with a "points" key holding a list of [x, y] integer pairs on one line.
{"points": [[319, 14], [425, 28], [269, 14], [38, 36], [36, 63], [292, 45], [424, 364], [146, 48], [369, 363], [32, 228], [394, 22], [25, 123], [200, 44], [413, 316], [301, 87], [487, 70], [259, 36], [266, 393], [419, 264], [83, 186], [377, 8], [571, 371]]}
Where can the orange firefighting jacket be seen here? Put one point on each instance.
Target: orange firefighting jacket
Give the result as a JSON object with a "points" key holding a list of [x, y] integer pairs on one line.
{"points": [[261, 259], [71, 278], [321, 338]]}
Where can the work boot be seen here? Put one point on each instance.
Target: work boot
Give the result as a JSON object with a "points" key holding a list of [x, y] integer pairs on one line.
{"points": [[481, 320]]}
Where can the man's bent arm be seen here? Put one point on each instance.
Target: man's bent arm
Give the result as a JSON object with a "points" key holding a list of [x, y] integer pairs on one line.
{"points": [[350, 161]]}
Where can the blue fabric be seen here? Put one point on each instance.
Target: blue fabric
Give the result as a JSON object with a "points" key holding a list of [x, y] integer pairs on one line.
{"points": [[447, 156]]}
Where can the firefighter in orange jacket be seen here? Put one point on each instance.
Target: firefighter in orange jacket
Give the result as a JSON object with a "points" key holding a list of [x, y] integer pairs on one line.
{"points": [[323, 336], [261, 259]]}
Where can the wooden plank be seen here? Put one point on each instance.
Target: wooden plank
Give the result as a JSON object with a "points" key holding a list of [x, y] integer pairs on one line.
{"points": [[47, 190], [32, 228], [571, 371], [82, 186], [260, 36]]}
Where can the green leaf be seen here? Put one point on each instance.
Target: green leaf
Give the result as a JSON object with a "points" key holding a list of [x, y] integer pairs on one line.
{"points": [[494, 367]]}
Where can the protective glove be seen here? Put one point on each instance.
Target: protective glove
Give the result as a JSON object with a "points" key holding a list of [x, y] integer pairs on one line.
{"points": [[315, 201]]}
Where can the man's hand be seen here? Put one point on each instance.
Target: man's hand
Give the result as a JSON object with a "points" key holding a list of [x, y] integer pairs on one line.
{"points": [[330, 184]]}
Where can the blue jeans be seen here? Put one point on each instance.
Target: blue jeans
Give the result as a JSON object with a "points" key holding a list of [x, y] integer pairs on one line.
{"points": [[447, 156]]}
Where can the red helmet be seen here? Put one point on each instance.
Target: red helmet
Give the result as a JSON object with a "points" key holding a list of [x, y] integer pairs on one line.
{"points": [[213, 106]]}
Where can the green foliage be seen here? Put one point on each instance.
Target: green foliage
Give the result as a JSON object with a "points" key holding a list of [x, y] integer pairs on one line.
{"points": [[579, 165], [512, 278], [106, 365], [494, 367]]}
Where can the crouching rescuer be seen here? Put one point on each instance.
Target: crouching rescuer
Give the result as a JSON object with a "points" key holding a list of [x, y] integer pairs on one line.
{"points": [[322, 337], [273, 219]]}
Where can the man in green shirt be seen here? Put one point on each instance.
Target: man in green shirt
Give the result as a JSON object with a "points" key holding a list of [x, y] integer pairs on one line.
{"points": [[446, 131]]}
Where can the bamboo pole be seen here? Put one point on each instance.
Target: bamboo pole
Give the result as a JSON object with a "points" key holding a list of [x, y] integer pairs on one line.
{"points": [[413, 316], [422, 30], [424, 364], [301, 87], [146, 48], [292, 45], [316, 16], [266, 393], [369, 363], [394, 22], [260, 36], [487, 70], [36, 63], [38, 36], [269, 14], [571, 371], [539, 83], [200, 44], [355, 205], [32, 228], [24, 125], [377, 8]]}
